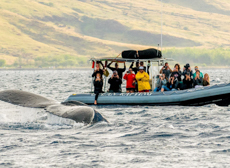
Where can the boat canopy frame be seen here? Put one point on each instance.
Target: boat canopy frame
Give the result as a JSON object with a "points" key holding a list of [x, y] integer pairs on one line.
{"points": [[159, 61]]}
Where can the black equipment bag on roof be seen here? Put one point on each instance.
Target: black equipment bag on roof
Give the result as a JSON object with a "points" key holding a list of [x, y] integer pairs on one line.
{"points": [[142, 54]]}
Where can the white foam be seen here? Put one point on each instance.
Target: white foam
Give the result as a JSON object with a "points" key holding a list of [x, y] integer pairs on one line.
{"points": [[217, 79], [4, 118], [55, 120], [29, 115], [166, 126], [12, 113]]}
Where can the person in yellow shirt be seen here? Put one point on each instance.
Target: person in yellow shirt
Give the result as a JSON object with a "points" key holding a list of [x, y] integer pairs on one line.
{"points": [[142, 78]]}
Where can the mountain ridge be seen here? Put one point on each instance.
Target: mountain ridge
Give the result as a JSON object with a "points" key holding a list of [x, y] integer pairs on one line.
{"points": [[90, 28]]}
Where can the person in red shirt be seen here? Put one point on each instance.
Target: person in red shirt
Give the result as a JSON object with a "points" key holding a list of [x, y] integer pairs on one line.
{"points": [[130, 81]]}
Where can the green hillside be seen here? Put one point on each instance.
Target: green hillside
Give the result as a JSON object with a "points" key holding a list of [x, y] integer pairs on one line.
{"points": [[68, 32]]}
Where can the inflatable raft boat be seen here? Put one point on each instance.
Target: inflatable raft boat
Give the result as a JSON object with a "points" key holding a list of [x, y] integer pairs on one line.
{"points": [[218, 94]]}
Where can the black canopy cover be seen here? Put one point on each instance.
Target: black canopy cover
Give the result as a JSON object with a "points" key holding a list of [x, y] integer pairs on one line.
{"points": [[142, 54]]}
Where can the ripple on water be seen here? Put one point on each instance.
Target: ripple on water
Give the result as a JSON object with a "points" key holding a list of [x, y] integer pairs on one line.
{"points": [[136, 136]]}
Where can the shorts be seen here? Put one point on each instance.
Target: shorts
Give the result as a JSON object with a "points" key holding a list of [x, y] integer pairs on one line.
{"points": [[114, 91], [130, 89]]}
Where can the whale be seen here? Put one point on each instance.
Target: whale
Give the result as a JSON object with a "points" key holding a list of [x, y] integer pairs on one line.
{"points": [[74, 110]]}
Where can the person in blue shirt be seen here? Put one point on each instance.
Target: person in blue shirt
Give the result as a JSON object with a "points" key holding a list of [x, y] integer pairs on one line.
{"points": [[197, 69]]}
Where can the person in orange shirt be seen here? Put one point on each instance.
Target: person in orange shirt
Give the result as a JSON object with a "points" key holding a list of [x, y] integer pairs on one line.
{"points": [[130, 81]]}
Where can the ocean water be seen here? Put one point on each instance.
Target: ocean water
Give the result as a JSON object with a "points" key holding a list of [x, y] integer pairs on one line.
{"points": [[136, 136]]}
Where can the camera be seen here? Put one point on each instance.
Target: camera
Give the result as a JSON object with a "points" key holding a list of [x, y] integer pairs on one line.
{"points": [[128, 71]]}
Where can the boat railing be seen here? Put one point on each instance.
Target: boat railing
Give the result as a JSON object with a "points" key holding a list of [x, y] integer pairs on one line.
{"points": [[172, 92], [159, 61]]}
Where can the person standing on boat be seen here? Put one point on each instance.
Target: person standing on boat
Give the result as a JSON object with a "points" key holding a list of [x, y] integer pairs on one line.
{"points": [[198, 80], [98, 70], [196, 69], [130, 81], [142, 64], [115, 83], [177, 76], [166, 70], [177, 71], [142, 78], [136, 69], [119, 70], [98, 84]]}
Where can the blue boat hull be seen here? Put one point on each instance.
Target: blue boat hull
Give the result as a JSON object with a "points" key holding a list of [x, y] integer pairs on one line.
{"points": [[218, 94]]}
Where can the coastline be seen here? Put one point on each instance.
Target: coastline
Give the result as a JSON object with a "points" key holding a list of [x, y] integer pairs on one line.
{"points": [[77, 68], [37, 69]]}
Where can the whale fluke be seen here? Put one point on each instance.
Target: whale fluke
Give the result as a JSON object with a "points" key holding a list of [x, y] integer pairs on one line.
{"points": [[73, 102], [25, 99], [97, 116], [78, 111]]}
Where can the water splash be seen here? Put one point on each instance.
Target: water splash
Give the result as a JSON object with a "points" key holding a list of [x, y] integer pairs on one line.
{"points": [[55, 120]]}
